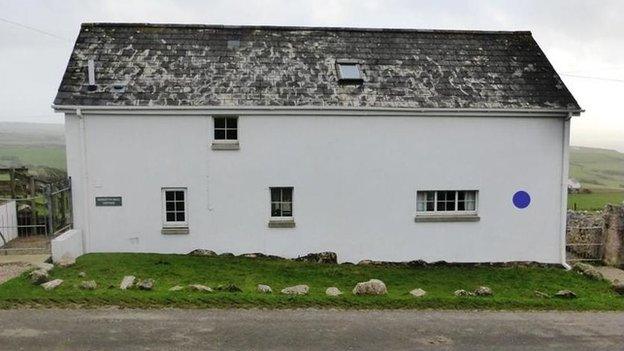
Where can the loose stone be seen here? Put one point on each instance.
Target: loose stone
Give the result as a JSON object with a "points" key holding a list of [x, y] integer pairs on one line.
{"points": [[127, 282], [52, 284], [146, 284], [296, 290], [265, 289], [199, 287], [88, 285], [418, 292], [333, 291]]}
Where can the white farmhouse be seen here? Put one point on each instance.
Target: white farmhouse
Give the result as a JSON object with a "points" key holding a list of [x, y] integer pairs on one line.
{"points": [[382, 144]]}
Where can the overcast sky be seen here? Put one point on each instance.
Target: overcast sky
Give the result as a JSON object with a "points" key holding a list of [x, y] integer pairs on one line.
{"points": [[583, 39]]}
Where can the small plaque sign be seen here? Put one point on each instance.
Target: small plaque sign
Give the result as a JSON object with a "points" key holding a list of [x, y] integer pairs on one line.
{"points": [[108, 201]]}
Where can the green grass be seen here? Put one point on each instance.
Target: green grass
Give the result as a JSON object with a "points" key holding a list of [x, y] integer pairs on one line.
{"points": [[513, 287], [594, 201], [53, 157]]}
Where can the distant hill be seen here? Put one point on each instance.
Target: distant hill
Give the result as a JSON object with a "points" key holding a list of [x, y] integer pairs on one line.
{"points": [[31, 134], [35, 145], [597, 168]]}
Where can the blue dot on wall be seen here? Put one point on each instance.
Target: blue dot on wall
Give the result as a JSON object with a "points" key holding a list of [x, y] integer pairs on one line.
{"points": [[521, 199]]}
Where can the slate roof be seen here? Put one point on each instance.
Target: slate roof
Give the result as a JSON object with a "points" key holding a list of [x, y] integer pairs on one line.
{"points": [[192, 65]]}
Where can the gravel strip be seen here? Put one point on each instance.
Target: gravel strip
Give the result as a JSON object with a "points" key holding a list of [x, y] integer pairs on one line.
{"points": [[12, 270]]}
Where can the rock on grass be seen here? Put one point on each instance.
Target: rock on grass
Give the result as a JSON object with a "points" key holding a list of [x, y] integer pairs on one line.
{"points": [[52, 284], [199, 287], [371, 287], [146, 284], [565, 294], [265, 289], [333, 291], [483, 291], [418, 292], [127, 282], [38, 276], [88, 285], [301, 289]]}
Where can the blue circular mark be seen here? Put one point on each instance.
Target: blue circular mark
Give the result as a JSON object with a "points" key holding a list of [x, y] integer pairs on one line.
{"points": [[521, 199]]}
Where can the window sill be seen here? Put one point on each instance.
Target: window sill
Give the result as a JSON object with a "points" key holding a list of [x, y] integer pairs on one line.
{"points": [[281, 223], [174, 230], [225, 145], [447, 218]]}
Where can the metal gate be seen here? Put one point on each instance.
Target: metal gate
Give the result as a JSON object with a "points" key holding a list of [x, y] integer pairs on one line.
{"points": [[28, 224], [584, 243]]}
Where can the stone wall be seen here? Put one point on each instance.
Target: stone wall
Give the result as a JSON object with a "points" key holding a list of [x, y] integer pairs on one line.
{"points": [[597, 235], [583, 230], [614, 235]]}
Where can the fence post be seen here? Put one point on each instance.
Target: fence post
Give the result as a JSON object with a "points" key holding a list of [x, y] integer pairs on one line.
{"points": [[50, 224]]}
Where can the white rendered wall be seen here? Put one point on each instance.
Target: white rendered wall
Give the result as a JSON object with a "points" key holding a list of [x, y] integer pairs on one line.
{"points": [[354, 179], [8, 220], [67, 244]]}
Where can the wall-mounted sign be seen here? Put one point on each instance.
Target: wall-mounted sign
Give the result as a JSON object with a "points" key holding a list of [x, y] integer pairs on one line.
{"points": [[108, 201]]}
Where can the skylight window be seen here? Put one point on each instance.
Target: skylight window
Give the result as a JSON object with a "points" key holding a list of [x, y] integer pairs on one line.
{"points": [[349, 72]]}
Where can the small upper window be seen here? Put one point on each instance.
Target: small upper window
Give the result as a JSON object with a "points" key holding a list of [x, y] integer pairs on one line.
{"points": [[349, 71], [226, 128]]}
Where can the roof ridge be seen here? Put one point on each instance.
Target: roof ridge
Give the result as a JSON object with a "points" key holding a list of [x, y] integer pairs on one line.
{"points": [[297, 28]]}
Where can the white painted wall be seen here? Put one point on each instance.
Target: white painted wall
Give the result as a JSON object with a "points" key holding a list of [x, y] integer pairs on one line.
{"points": [[67, 244], [355, 180], [8, 221]]}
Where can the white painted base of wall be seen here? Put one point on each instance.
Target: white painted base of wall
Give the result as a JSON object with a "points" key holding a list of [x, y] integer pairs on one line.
{"points": [[68, 243]]}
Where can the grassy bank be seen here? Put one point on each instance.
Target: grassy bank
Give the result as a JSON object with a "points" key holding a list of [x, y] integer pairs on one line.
{"points": [[513, 287]]}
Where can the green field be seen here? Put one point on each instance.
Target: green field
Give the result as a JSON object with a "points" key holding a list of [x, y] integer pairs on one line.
{"points": [[594, 201], [513, 287], [33, 156]]}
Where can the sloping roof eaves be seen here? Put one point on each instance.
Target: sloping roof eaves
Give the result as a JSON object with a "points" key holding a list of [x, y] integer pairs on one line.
{"points": [[191, 65]]}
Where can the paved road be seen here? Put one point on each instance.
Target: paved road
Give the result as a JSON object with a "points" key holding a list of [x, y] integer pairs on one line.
{"points": [[112, 329]]}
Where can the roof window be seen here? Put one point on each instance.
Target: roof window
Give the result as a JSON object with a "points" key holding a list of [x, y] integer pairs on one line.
{"points": [[349, 72]]}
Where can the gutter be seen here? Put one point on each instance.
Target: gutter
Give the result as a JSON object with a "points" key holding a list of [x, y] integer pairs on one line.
{"points": [[327, 110], [565, 166]]}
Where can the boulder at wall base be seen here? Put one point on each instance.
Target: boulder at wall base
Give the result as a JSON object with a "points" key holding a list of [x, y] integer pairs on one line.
{"points": [[321, 257], [66, 260], [202, 252], [45, 266], [588, 270], [301, 289], [38, 276], [371, 287], [619, 288]]}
